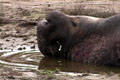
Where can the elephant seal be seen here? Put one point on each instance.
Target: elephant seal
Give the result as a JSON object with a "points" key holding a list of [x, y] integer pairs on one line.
{"points": [[85, 39]]}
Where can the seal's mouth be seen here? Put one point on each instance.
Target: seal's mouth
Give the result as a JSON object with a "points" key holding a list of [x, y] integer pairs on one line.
{"points": [[60, 46]]}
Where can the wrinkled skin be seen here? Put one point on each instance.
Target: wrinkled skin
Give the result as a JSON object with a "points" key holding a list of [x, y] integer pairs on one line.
{"points": [[83, 38], [48, 49]]}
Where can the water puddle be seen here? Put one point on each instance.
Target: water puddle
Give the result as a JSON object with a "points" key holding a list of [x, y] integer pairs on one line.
{"points": [[71, 66], [33, 59]]}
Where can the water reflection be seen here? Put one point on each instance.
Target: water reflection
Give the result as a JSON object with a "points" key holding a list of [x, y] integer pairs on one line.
{"points": [[71, 66], [33, 59]]}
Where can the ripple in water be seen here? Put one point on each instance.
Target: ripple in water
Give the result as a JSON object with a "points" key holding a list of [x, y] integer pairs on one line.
{"points": [[33, 59]]}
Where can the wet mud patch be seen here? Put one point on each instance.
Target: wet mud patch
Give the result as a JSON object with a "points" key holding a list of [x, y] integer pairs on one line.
{"points": [[17, 30], [24, 58], [31, 64], [33, 58], [71, 66]]}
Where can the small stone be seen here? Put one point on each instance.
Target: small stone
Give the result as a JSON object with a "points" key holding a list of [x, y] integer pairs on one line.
{"points": [[31, 42], [24, 48], [1, 48], [20, 48], [11, 77], [29, 74], [7, 40], [33, 47]]}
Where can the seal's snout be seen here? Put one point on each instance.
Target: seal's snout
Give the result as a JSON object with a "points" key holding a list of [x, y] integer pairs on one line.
{"points": [[43, 23]]}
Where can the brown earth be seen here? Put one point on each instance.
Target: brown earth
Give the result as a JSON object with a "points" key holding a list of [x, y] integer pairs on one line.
{"points": [[17, 27]]}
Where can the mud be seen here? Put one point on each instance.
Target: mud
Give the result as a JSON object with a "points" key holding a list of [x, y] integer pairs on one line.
{"points": [[19, 54]]}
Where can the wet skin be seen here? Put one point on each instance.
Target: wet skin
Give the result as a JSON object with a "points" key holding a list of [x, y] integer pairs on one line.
{"points": [[83, 38]]}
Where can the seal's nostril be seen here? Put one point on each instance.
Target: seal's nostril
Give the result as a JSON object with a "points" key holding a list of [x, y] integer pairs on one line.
{"points": [[43, 23], [49, 20]]}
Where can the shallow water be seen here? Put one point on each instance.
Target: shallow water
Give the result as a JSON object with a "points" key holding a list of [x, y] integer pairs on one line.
{"points": [[33, 59], [71, 66]]}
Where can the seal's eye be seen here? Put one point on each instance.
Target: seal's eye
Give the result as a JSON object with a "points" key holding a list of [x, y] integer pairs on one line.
{"points": [[74, 24]]}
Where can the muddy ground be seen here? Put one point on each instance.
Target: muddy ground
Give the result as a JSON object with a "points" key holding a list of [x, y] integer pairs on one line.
{"points": [[18, 28]]}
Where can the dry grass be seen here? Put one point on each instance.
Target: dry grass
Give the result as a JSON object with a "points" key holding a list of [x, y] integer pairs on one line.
{"points": [[89, 10]]}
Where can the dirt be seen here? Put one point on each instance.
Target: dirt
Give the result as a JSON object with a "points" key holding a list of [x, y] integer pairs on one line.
{"points": [[10, 73], [18, 20]]}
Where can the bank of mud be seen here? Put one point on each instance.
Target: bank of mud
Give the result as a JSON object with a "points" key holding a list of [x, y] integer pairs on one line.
{"points": [[12, 73], [18, 20]]}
